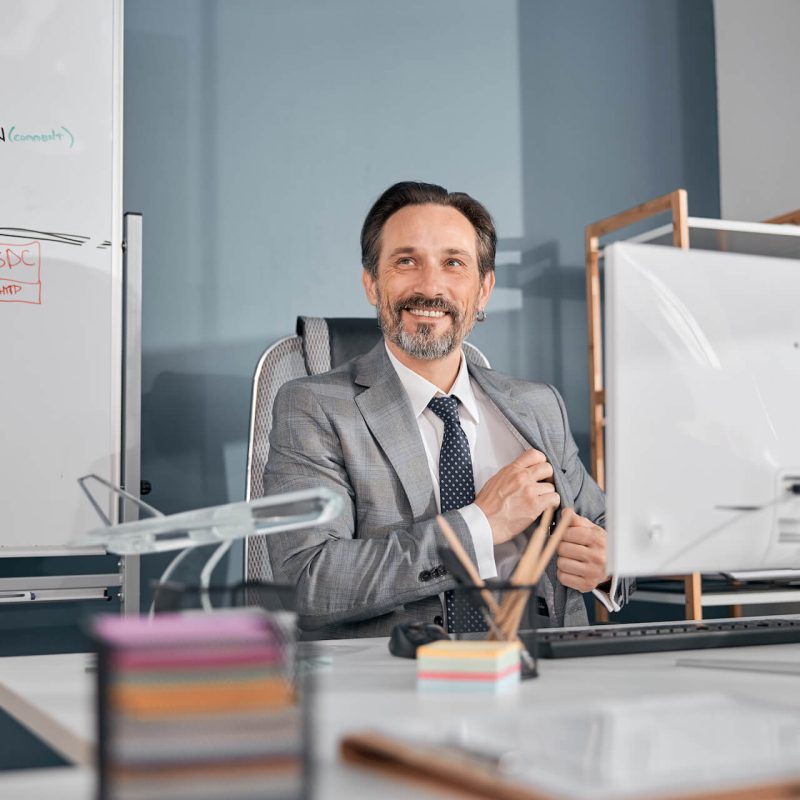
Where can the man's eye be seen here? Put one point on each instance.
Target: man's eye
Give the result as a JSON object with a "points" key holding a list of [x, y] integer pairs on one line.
{"points": [[405, 261], [454, 262]]}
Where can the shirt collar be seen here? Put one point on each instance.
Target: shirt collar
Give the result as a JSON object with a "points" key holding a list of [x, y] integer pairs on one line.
{"points": [[420, 391]]}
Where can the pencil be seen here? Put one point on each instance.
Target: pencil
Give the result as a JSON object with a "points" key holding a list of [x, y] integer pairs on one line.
{"points": [[524, 567], [469, 567], [512, 618]]}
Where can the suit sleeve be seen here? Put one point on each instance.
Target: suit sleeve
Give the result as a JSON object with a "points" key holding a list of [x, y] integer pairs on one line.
{"points": [[590, 502], [341, 574]]}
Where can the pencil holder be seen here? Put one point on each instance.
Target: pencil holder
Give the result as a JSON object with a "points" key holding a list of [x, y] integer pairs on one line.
{"points": [[510, 612], [505, 606]]}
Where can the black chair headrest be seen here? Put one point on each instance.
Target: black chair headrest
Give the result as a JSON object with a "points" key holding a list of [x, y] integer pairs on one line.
{"points": [[348, 336]]}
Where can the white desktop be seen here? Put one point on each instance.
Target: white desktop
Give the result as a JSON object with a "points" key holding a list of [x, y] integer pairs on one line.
{"points": [[703, 368], [703, 410]]}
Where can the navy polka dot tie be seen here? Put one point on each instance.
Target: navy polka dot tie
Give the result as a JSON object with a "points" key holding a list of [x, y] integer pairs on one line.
{"points": [[456, 490]]}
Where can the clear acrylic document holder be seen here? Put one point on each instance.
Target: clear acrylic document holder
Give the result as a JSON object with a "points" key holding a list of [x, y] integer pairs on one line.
{"points": [[213, 525]]}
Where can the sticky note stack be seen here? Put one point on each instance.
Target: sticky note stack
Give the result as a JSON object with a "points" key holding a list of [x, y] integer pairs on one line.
{"points": [[198, 706], [472, 666]]}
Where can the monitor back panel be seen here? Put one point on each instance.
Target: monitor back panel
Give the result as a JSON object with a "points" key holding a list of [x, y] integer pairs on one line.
{"points": [[702, 355]]}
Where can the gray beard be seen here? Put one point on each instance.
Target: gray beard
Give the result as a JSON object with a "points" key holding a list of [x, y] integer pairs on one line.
{"points": [[423, 344]]}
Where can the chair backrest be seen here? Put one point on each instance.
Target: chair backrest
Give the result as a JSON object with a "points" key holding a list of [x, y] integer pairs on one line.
{"points": [[321, 344]]}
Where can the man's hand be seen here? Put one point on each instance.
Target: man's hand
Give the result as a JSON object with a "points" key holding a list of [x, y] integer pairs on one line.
{"points": [[581, 560], [517, 494]]}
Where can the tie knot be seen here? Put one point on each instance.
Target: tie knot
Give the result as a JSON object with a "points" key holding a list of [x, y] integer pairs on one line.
{"points": [[446, 408]]}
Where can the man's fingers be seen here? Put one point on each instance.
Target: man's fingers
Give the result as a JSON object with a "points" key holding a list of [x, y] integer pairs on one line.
{"points": [[535, 465], [570, 566], [529, 458], [577, 582], [589, 537], [551, 499], [518, 494], [581, 560], [575, 552], [542, 471]]}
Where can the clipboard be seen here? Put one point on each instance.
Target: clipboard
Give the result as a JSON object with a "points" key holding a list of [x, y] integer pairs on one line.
{"points": [[460, 776], [591, 750]]}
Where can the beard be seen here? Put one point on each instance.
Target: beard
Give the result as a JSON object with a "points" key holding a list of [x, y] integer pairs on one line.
{"points": [[423, 343]]}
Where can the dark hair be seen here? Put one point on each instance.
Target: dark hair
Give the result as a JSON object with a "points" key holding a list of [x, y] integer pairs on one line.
{"points": [[414, 193]]}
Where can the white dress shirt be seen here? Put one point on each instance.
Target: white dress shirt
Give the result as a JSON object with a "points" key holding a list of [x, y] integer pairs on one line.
{"points": [[492, 445]]}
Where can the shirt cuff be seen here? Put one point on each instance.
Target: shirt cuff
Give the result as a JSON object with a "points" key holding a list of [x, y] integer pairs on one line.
{"points": [[609, 598], [481, 533]]}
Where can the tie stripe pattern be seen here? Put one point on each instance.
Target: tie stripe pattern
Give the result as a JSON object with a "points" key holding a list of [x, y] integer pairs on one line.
{"points": [[456, 490]]}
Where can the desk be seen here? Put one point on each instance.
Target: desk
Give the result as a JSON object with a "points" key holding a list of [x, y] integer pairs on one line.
{"points": [[365, 687]]}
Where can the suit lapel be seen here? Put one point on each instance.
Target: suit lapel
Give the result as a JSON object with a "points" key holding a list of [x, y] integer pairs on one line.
{"points": [[517, 410], [387, 412]]}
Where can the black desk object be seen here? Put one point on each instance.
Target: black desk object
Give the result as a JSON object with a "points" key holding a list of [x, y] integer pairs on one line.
{"points": [[607, 640]]}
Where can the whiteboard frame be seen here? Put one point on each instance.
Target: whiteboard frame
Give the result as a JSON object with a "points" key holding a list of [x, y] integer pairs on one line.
{"points": [[131, 399], [125, 368]]}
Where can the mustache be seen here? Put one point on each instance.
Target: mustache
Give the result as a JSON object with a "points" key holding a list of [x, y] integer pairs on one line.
{"points": [[426, 304]]}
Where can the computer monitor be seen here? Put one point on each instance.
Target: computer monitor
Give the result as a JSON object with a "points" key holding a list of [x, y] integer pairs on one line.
{"points": [[702, 359]]}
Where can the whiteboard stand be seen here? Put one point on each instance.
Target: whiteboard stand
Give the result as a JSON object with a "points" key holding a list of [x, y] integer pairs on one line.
{"points": [[94, 586], [131, 396]]}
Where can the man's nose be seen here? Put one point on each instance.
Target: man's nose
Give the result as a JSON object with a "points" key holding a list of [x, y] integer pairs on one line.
{"points": [[429, 280]]}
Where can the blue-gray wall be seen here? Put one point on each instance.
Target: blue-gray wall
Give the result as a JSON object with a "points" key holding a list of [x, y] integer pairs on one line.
{"points": [[257, 133], [618, 105]]}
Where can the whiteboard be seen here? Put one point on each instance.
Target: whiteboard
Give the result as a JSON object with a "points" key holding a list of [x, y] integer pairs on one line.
{"points": [[60, 265]]}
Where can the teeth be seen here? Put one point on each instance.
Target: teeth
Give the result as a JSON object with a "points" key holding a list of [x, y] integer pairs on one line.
{"points": [[419, 312]]}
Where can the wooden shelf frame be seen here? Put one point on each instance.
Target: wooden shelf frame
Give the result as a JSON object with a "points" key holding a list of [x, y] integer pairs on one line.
{"points": [[675, 202]]}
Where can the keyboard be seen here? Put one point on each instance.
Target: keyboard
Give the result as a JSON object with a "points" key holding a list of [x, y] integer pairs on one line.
{"points": [[608, 640]]}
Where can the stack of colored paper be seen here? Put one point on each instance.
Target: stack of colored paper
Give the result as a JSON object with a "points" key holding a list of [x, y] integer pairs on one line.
{"points": [[468, 666], [198, 706]]}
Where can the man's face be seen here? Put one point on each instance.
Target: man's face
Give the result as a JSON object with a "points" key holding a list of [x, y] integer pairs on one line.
{"points": [[428, 287]]}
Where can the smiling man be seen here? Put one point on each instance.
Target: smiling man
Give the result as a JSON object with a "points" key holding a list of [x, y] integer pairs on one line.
{"points": [[411, 429]]}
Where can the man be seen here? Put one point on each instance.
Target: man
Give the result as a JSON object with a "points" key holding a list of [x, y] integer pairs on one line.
{"points": [[410, 428]]}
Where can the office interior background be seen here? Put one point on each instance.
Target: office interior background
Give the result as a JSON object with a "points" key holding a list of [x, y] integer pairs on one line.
{"points": [[257, 133]]}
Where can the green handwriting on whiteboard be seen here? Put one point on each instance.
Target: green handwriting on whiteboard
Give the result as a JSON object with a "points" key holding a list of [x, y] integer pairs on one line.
{"points": [[60, 135]]}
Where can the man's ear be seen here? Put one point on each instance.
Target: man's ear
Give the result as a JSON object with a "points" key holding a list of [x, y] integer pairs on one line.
{"points": [[487, 284], [369, 287]]}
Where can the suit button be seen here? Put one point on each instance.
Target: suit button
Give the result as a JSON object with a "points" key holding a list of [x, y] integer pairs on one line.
{"points": [[425, 576], [437, 620]]}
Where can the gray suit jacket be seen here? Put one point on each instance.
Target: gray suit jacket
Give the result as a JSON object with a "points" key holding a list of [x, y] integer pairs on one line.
{"points": [[352, 430]]}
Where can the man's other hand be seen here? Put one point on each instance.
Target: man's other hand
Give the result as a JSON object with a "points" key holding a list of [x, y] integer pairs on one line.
{"points": [[581, 560], [517, 494]]}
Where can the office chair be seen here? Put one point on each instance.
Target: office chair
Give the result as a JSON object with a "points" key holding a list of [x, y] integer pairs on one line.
{"points": [[320, 344]]}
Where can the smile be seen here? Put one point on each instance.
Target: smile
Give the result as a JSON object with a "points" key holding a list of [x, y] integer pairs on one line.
{"points": [[421, 312]]}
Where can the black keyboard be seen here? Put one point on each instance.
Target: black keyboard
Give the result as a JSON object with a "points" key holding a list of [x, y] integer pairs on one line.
{"points": [[608, 640]]}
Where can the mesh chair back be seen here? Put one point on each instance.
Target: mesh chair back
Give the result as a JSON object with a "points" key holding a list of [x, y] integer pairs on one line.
{"points": [[474, 356]]}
